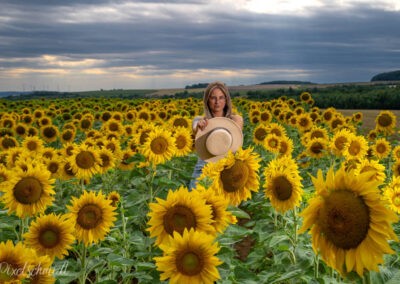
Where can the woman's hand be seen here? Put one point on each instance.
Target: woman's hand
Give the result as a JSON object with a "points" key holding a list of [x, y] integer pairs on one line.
{"points": [[202, 124]]}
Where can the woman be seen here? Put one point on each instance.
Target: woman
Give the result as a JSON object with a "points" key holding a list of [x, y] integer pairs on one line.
{"points": [[217, 103]]}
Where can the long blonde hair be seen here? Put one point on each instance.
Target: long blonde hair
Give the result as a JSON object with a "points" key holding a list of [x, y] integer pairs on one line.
{"points": [[228, 101]]}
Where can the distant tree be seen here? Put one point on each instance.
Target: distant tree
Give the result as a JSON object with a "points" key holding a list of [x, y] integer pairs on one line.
{"points": [[387, 76]]}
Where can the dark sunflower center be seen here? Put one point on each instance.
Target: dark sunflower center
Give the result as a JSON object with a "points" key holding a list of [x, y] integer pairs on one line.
{"points": [[381, 148], [28, 190], [159, 145], [339, 142], [276, 131], [85, 160], [344, 219], [384, 120], [273, 143], [283, 147], [49, 237], [178, 218], [181, 122], [89, 216], [235, 178], [316, 147], [189, 263], [260, 134], [67, 135], [282, 188], [317, 134], [180, 142], [304, 122], [114, 127], [143, 136], [32, 145], [105, 160], [85, 124], [53, 167], [49, 132], [354, 148]]}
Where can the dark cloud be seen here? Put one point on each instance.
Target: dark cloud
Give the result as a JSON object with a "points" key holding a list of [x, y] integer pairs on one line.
{"points": [[330, 45]]}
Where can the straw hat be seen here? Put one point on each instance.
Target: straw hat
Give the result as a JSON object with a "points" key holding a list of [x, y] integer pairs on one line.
{"points": [[220, 135]]}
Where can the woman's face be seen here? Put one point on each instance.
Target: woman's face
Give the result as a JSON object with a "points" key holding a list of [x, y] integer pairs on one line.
{"points": [[217, 102]]}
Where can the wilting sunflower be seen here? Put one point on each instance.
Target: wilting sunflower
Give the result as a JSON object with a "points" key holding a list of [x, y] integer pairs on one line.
{"points": [[350, 223], [93, 215], [392, 193], [236, 176], [385, 122], [189, 258], [381, 148], [51, 235], [85, 161], [49, 133], [283, 184], [221, 217], [372, 166], [177, 212], [16, 262], [159, 146], [355, 148], [29, 192], [183, 141]]}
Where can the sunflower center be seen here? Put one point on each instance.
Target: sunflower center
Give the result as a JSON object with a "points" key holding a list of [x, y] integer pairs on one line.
{"points": [[49, 132], [316, 147], [344, 219], [235, 178], [381, 148], [178, 218], [260, 134], [273, 143], [340, 142], [49, 237], [282, 188], [32, 145], [89, 216], [53, 167], [105, 160], [85, 124], [28, 190], [159, 145], [384, 120], [114, 127], [181, 122], [180, 142], [354, 148], [85, 160], [8, 143], [189, 263]]}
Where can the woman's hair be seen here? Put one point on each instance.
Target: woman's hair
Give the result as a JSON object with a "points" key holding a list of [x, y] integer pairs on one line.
{"points": [[228, 102]]}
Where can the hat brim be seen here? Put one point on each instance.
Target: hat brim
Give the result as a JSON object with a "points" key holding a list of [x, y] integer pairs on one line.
{"points": [[213, 123]]}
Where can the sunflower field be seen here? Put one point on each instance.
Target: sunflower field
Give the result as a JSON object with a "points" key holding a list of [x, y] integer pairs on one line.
{"points": [[96, 190]]}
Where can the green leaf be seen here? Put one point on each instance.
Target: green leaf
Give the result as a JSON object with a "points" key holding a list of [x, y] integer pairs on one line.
{"points": [[278, 239], [117, 260], [289, 275], [239, 213]]}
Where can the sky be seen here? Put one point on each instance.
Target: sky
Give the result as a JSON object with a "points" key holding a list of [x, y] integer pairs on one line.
{"points": [[80, 45]]}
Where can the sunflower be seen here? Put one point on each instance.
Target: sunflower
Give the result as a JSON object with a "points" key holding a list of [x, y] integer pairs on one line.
{"points": [[381, 148], [177, 212], [355, 148], [235, 177], [67, 136], [392, 193], [396, 168], [260, 132], [125, 164], [5, 174], [277, 129], [283, 184], [304, 122], [93, 216], [51, 235], [108, 160], [350, 223], [159, 146], [114, 197], [328, 114], [285, 146], [339, 140], [29, 192], [183, 141], [371, 166], [271, 143], [305, 96], [8, 142], [33, 144], [317, 148], [49, 133], [15, 262], [180, 121], [113, 126], [396, 153], [54, 166], [85, 161], [385, 122], [41, 271], [221, 217], [189, 258], [21, 129]]}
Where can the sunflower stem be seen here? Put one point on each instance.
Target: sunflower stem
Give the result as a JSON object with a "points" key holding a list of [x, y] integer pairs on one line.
{"points": [[24, 225], [82, 277], [316, 266]]}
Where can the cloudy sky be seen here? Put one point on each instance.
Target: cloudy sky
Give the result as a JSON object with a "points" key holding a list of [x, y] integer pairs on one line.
{"points": [[81, 45]]}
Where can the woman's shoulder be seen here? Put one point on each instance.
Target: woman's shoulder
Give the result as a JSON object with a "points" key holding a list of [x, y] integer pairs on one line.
{"points": [[238, 119]]}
